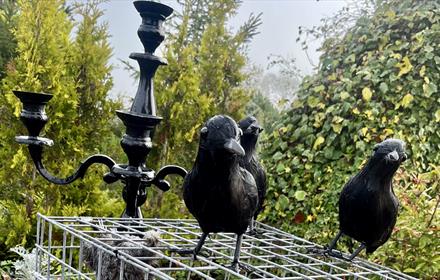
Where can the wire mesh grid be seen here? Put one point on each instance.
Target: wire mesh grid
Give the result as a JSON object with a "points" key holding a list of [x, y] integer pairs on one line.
{"points": [[273, 254]]}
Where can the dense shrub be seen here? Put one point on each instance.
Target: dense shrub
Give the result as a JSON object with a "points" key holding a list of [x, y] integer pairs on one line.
{"points": [[378, 81]]}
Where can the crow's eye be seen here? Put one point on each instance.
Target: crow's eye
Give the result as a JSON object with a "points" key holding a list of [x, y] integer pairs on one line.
{"points": [[203, 131], [404, 157]]}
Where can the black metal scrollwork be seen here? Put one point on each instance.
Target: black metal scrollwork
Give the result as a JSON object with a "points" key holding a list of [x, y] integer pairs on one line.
{"points": [[140, 123]]}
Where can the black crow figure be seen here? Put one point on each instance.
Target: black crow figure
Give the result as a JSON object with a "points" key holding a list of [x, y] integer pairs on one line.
{"points": [[250, 161], [367, 204], [221, 195]]}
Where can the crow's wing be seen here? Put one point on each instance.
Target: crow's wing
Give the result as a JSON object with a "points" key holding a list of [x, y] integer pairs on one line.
{"points": [[250, 197]]}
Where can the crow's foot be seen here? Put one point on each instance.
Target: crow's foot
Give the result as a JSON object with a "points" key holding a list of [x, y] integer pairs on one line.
{"points": [[204, 253], [317, 250], [238, 266], [337, 254], [235, 266], [255, 232]]}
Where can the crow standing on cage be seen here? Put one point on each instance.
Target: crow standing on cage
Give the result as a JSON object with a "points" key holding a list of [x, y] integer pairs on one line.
{"points": [[367, 204], [221, 195], [251, 130]]}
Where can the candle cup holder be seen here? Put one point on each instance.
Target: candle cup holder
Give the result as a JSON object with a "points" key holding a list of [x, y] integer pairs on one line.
{"points": [[140, 123], [33, 117]]}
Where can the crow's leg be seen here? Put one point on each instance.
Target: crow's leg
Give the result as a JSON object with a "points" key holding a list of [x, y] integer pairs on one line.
{"points": [[200, 244], [194, 251], [252, 230], [332, 244], [235, 262], [358, 250], [329, 249]]}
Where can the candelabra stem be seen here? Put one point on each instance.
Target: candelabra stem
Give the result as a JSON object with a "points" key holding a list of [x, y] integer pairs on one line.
{"points": [[140, 123]]}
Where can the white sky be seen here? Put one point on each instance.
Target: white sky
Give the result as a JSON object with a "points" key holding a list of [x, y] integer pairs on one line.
{"points": [[278, 32]]}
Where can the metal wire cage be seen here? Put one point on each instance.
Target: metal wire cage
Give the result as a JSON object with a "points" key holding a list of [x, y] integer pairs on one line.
{"points": [[274, 254]]}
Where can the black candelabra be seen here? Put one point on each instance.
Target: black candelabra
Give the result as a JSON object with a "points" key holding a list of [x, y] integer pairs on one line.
{"points": [[140, 123]]}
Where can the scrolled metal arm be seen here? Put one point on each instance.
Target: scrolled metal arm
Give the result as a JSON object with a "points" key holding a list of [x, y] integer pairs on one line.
{"points": [[159, 179], [37, 150]]}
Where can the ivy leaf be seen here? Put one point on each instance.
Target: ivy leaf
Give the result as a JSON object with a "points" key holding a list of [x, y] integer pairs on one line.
{"points": [[383, 87], [312, 101], [407, 99], [318, 142], [405, 66], [283, 202], [344, 95], [300, 195], [366, 94], [422, 71], [437, 115], [429, 89], [277, 156], [280, 168]]}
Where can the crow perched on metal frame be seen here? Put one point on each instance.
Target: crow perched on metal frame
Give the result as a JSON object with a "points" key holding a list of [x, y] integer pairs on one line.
{"points": [[220, 194], [251, 130], [367, 204]]}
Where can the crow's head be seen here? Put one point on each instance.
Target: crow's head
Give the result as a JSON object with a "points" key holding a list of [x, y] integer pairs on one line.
{"points": [[221, 137], [250, 126], [251, 130], [389, 154], [391, 150]]}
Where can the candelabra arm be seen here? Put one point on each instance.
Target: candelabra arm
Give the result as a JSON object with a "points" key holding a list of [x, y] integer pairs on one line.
{"points": [[159, 179], [37, 150]]}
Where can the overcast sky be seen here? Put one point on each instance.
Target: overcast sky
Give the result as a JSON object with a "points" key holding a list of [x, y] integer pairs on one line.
{"points": [[278, 32]]}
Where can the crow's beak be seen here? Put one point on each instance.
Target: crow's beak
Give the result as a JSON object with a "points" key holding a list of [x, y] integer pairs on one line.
{"points": [[254, 128], [392, 157], [234, 147]]}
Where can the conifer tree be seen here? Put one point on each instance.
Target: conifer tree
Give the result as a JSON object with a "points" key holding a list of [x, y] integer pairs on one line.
{"points": [[8, 9], [77, 74]]}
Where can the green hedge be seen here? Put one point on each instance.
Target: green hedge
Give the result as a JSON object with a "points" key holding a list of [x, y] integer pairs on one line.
{"points": [[378, 81]]}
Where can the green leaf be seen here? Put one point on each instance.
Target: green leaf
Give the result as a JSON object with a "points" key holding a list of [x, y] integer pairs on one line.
{"points": [[300, 195], [313, 101], [404, 66], [407, 99], [319, 88], [318, 142], [383, 87], [366, 94], [280, 168], [277, 156], [344, 95], [437, 115], [283, 202]]}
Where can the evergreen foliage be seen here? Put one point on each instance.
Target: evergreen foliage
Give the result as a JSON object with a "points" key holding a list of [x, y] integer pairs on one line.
{"points": [[8, 9], [377, 81], [75, 71]]}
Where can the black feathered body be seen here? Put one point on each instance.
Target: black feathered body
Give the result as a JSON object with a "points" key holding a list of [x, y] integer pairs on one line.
{"points": [[221, 195], [367, 213], [251, 163], [368, 207]]}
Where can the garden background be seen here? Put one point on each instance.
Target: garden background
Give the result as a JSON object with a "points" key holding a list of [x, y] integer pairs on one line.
{"points": [[377, 77]]}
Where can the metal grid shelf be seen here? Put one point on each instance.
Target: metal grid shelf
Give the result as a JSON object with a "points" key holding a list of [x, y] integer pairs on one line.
{"points": [[273, 254]]}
